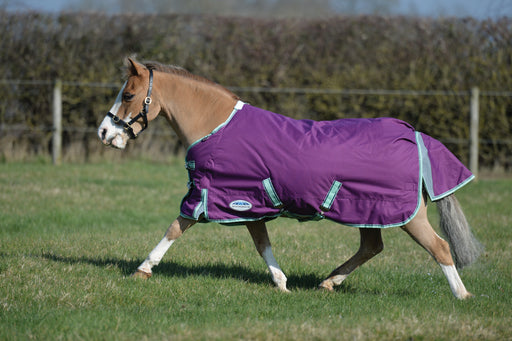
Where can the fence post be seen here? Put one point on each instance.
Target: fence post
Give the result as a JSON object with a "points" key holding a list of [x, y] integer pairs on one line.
{"points": [[473, 132], [57, 123]]}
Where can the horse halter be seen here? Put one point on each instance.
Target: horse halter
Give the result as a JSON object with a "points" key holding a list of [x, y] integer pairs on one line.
{"points": [[143, 114]]}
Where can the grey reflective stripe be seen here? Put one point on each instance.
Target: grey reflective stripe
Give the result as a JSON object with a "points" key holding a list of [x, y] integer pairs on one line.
{"points": [[426, 168], [331, 195], [271, 192], [204, 200], [201, 208]]}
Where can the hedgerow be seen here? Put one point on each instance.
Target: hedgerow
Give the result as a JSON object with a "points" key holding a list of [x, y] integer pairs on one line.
{"points": [[364, 52]]}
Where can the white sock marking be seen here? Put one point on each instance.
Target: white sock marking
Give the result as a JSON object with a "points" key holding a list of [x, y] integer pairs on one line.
{"points": [[278, 276], [156, 255], [458, 288]]}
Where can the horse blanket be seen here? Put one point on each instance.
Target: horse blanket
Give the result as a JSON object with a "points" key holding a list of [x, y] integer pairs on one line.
{"points": [[259, 165]]}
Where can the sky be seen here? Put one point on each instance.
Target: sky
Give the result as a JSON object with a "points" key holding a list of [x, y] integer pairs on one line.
{"points": [[480, 9]]}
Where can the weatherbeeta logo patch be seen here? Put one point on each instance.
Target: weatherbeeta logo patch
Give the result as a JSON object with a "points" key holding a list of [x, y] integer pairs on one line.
{"points": [[240, 205]]}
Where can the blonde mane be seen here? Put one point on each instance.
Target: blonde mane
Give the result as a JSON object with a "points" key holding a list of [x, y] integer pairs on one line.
{"points": [[179, 71]]}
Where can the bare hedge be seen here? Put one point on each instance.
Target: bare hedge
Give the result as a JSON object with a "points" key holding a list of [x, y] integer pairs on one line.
{"points": [[364, 52]]}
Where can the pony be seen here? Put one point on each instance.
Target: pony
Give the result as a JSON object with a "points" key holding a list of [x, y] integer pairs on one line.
{"points": [[247, 166]]}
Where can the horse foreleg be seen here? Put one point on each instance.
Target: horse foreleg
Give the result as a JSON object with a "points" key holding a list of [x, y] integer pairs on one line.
{"points": [[259, 235], [422, 232], [173, 232], [371, 244]]}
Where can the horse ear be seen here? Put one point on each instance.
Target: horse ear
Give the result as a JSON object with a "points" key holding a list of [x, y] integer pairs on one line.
{"points": [[133, 68]]}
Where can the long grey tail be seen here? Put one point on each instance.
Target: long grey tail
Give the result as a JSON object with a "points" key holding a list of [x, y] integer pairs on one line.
{"points": [[465, 247]]}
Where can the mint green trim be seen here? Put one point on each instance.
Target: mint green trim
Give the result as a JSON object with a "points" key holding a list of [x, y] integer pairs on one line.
{"points": [[190, 165], [447, 193], [331, 195], [239, 105], [271, 192]]}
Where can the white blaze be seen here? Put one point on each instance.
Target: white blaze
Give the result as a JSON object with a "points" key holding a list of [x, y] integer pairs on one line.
{"points": [[119, 100], [108, 131]]}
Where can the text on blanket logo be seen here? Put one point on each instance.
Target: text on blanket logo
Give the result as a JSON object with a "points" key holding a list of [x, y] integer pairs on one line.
{"points": [[240, 205]]}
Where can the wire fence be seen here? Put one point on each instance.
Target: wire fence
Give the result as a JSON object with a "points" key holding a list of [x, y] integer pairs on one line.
{"points": [[20, 129]]}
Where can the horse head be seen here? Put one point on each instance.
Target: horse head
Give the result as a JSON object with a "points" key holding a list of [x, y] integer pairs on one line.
{"points": [[133, 109]]}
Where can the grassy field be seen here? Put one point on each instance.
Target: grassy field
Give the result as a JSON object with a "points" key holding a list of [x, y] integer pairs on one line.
{"points": [[70, 236]]}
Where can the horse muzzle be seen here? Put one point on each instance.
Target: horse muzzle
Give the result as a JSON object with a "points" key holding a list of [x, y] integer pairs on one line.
{"points": [[111, 134]]}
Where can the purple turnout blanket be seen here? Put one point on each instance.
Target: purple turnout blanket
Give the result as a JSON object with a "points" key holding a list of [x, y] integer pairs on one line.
{"points": [[259, 165]]}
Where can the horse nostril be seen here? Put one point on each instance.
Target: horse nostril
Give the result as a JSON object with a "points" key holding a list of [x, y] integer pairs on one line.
{"points": [[103, 133]]}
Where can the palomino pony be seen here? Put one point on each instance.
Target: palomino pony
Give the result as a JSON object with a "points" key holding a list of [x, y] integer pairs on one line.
{"points": [[366, 173]]}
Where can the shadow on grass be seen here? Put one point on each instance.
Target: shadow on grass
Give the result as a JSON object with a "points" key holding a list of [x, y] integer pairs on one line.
{"points": [[173, 269]]}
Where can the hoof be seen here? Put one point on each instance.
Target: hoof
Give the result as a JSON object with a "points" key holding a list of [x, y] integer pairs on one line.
{"points": [[326, 285], [141, 274], [283, 289], [466, 296]]}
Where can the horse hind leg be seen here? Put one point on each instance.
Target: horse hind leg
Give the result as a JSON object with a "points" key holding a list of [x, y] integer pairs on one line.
{"points": [[421, 231], [259, 234], [371, 244]]}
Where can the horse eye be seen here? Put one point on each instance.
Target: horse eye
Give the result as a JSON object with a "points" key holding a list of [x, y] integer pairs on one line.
{"points": [[128, 96]]}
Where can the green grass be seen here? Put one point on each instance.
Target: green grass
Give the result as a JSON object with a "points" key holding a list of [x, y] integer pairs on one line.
{"points": [[70, 236]]}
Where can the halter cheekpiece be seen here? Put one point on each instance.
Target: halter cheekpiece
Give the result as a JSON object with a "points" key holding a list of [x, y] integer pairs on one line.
{"points": [[143, 114]]}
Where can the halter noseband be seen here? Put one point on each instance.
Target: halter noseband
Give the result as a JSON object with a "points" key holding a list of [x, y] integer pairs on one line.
{"points": [[143, 114]]}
